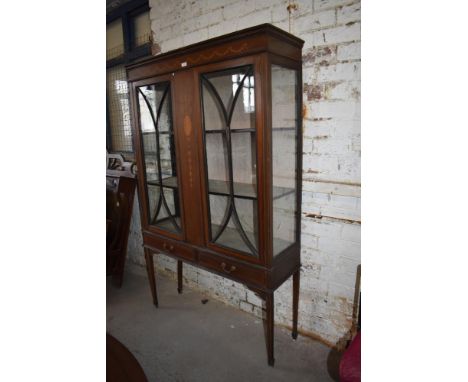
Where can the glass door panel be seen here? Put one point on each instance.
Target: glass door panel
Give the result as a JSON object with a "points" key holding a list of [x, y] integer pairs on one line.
{"points": [[157, 134], [284, 141], [244, 161], [244, 109], [230, 152]]}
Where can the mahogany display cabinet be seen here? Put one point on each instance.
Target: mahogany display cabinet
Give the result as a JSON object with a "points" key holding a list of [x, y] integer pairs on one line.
{"points": [[218, 140]]}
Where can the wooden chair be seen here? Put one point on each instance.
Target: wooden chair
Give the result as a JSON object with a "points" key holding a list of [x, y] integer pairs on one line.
{"points": [[120, 190], [350, 364], [121, 364]]}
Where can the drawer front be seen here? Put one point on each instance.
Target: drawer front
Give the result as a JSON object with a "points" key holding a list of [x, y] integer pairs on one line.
{"points": [[170, 247], [232, 269]]}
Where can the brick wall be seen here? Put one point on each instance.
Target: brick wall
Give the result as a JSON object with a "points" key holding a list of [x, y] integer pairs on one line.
{"points": [[331, 168]]}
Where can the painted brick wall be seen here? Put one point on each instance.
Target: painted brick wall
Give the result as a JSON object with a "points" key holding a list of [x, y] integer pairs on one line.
{"points": [[331, 168]]}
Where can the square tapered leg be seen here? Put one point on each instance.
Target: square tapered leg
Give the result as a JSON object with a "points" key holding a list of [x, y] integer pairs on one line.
{"points": [[179, 276], [270, 327], [151, 275], [296, 278]]}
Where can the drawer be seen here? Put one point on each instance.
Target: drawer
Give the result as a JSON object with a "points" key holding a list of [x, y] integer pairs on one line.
{"points": [[170, 247], [235, 270]]}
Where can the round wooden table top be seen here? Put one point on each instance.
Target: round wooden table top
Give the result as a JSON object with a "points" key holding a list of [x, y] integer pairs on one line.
{"points": [[121, 365]]}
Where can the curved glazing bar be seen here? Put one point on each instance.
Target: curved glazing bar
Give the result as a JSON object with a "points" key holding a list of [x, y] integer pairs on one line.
{"points": [[231, 210], [161, 197]]}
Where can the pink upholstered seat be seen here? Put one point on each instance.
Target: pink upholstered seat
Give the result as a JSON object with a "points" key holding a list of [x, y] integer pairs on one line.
{"points": [[350, 364]]}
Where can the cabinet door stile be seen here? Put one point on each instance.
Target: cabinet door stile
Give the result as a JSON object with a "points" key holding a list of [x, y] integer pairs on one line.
{"points": [[141, 186], [187, 137], [263, 120], [179, 154]]}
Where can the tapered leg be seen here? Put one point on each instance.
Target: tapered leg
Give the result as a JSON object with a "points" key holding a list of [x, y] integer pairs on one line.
{"points": [[296, 278], [179, 276], [270, 327], [151, 275]]}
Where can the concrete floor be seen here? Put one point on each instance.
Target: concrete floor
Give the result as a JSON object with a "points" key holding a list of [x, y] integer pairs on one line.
{"points": [[185, 340]]}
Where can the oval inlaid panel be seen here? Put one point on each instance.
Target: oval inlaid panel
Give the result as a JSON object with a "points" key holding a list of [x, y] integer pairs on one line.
{"points": [[187, 126]]}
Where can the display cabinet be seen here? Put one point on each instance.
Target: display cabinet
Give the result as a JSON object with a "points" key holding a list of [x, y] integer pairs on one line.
{"points": [[217, 133]]}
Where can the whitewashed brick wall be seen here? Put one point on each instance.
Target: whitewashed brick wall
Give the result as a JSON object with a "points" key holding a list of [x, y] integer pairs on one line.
{"points": [[331, 169]]}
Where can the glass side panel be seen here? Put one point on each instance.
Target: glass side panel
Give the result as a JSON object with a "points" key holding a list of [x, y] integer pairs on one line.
{"points": [[284, 141], [156, 129], [230, 151]]}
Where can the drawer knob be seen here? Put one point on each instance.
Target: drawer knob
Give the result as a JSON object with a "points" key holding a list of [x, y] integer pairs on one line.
{"points": [[232, 268], [169, 248]]}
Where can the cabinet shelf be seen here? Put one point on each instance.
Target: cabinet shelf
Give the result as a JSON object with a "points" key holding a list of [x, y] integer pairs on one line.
{"points": [[166, 224], [243, 190], [170, 182], [220, 131], [232, 131], [231, 238], [221, 187], [284, 128], [160, 132]]}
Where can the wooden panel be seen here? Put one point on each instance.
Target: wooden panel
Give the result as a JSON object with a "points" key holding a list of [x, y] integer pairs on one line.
{"points": [[185, 130], [169, 247], [232, 269]]}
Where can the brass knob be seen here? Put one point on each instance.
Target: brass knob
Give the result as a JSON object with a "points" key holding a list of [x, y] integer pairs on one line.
{"points": [[232, 268], [169, 248]]}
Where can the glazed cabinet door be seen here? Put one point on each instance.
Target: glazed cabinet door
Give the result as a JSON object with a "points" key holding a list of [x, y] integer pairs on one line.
{"points": [[158, 156], [230, 137]]}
